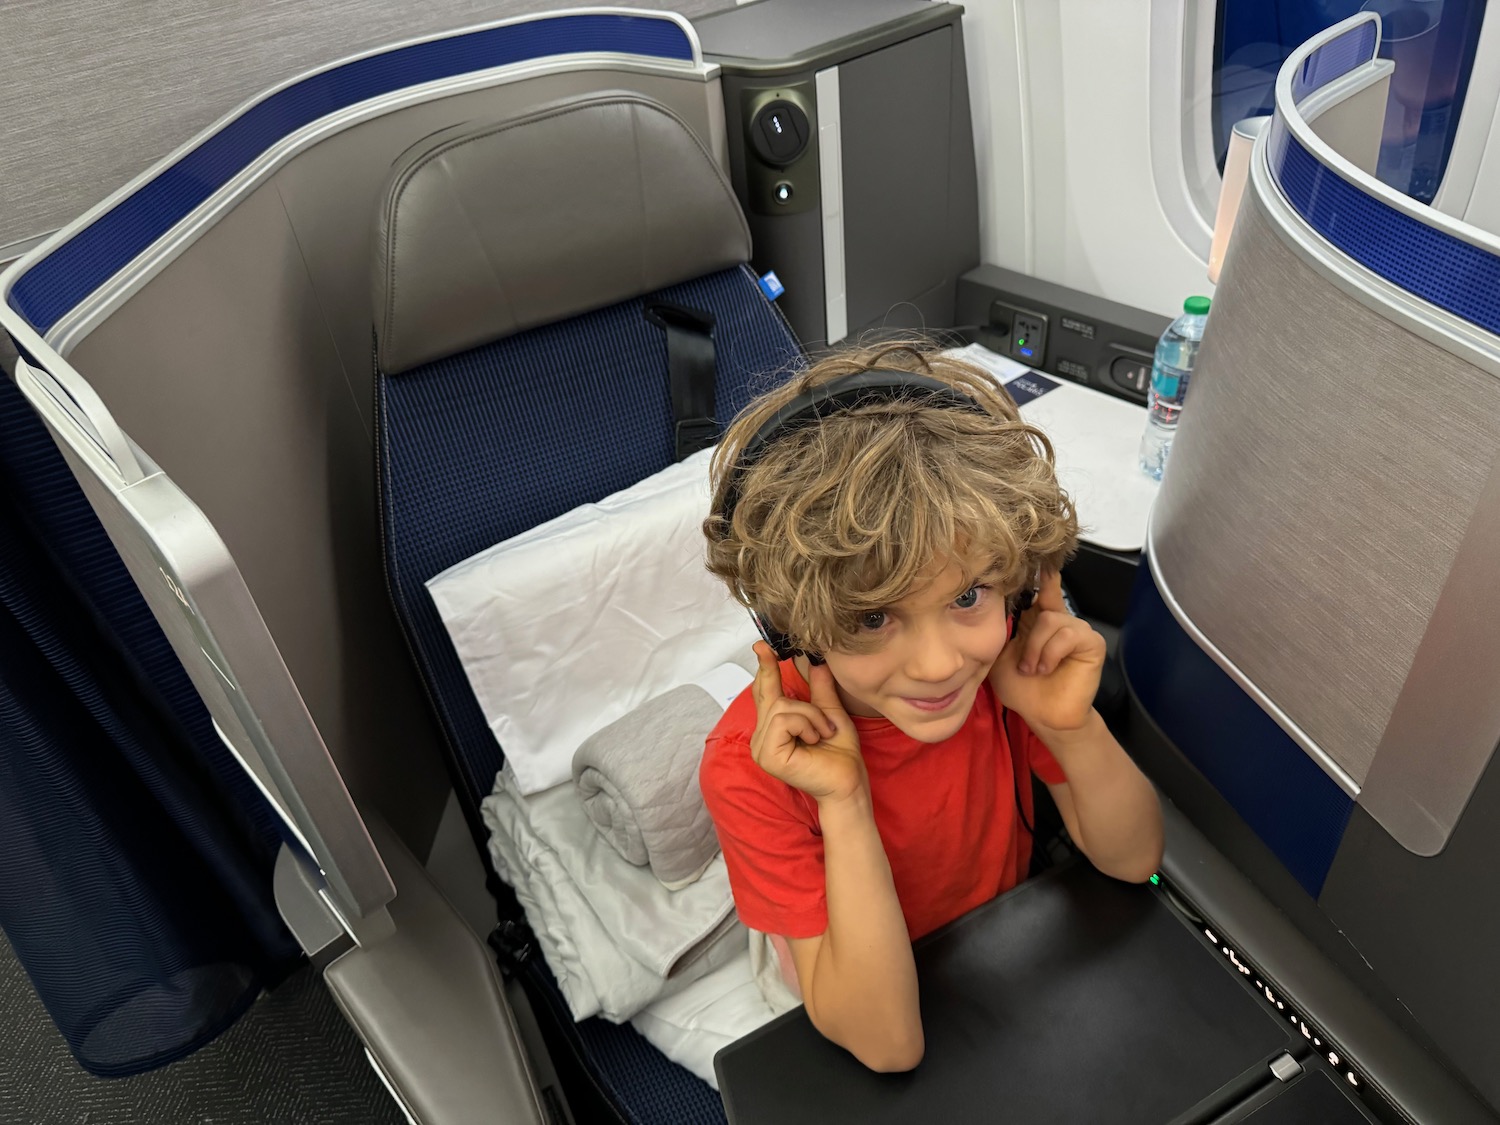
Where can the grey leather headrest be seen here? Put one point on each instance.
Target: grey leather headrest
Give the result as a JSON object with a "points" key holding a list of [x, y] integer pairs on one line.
{"points": [[486, 230]]}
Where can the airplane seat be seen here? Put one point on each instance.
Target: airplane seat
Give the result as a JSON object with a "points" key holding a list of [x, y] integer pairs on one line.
{"points": [[518, 375]]}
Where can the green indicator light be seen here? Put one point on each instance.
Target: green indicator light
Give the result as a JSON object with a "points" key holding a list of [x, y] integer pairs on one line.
{"points": [[1020, 341], [1156, 880]]}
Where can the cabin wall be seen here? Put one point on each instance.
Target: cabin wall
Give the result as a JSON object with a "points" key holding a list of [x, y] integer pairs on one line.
{"points": [[96, 91], [1062, 119]]}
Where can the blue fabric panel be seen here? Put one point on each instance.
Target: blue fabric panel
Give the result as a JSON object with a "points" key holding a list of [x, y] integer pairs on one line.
{"points": [[47, 291], [650, 1088], [136, 887], [645, 1086], [1275, 787], [1334, 59], [1446, 271], [479, 447]]}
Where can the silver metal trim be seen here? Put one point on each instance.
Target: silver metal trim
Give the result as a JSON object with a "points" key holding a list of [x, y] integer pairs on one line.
{"points": [[1435, 325], [1287, 110], [1345, 86], [88, 314], [180, 564], [21, 247], [1266, 703], [78, 401], [258, 774], [831, 174], [1285, 1068], [696, 68]]}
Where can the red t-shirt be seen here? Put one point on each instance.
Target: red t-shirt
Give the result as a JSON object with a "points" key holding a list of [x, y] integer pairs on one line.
{"points": [[946, 812]]}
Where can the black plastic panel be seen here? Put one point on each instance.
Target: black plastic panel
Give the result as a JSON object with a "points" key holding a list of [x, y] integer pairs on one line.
{"points": [[897, 115], [1102, 344], [1073, 998], [776, 31], [910, 204], [1312, 1100], [1400, 909]]}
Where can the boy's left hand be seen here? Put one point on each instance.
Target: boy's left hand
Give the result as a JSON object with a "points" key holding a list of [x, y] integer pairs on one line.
{"points": [[1048, 672]]}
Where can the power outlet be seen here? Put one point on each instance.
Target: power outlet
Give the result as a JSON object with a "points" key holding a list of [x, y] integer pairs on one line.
{"points": [[1025, 332], [1077, 336], [1028, 338]]}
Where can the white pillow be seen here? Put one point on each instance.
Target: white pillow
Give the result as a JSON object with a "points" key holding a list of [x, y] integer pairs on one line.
{"points": [[570, 625]]}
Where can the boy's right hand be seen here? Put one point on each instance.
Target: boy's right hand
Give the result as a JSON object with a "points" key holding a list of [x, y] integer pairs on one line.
{"points": [[810, 746]]}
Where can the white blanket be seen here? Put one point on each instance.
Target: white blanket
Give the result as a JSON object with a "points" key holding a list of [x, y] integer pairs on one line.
{"points": [[690, 1027], [616, 939], [568, 626], [677, 964]]}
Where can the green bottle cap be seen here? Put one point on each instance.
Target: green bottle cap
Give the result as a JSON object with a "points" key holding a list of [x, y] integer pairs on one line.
{"points": [[1196, 306]]}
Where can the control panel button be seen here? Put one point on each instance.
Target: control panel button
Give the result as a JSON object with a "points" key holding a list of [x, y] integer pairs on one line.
{"points": [[782, 192], [1131, 373], [779, 133]]}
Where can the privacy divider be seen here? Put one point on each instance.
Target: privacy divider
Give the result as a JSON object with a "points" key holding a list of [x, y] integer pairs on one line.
{"points": [[1316, 632]]}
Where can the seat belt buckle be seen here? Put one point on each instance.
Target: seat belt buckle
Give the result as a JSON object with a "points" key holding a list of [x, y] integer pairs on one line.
{"points": [[694, 434]]}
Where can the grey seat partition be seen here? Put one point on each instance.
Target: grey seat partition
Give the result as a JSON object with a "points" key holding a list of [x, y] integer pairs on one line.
{"points": [[216, 313], [227, 326], [1317, 631]]}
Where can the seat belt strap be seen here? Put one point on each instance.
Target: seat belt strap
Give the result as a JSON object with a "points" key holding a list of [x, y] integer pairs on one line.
{"points": [[690, 369]]}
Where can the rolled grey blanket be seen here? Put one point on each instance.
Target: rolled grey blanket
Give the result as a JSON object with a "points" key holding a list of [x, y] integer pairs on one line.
{"points": [[638, 781]]}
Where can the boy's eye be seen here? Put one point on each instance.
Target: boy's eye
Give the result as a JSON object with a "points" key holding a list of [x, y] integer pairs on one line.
{"points": [[969, 598], [872, 621]]}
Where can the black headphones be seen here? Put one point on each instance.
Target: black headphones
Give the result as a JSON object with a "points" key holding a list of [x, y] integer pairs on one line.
{"points": [[847, 392]]}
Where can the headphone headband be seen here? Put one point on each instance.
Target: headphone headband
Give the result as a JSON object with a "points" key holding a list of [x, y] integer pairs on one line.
{"points": [[847, 392]]}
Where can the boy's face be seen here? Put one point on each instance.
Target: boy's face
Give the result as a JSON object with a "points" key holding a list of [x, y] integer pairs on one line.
{"points": [[934, 649]]}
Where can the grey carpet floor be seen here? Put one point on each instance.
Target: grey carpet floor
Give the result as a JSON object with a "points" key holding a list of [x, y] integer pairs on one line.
{"points": [[290, 1060]]}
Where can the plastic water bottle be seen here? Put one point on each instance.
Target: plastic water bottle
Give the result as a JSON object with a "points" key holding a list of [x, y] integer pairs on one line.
{"points": [[1171, 371]]}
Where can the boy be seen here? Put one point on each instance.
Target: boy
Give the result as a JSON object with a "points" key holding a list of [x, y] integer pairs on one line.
{"points": [[876, 785]]}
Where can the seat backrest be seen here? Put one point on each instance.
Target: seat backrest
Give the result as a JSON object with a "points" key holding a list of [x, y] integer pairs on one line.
{"points": [[517, 376]]}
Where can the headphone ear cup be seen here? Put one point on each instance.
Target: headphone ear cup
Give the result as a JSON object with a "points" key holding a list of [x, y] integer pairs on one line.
{"points": [[780, 643]]}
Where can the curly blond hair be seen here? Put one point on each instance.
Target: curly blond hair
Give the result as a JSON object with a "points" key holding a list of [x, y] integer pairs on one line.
{"points": [[844, 517]]}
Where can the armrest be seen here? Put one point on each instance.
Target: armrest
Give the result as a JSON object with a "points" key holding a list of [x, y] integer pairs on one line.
{"points": [[429, 1004]]}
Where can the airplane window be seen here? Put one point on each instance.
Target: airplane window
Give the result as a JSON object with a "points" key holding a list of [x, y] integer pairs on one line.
{"points": [[1431, 42]]}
